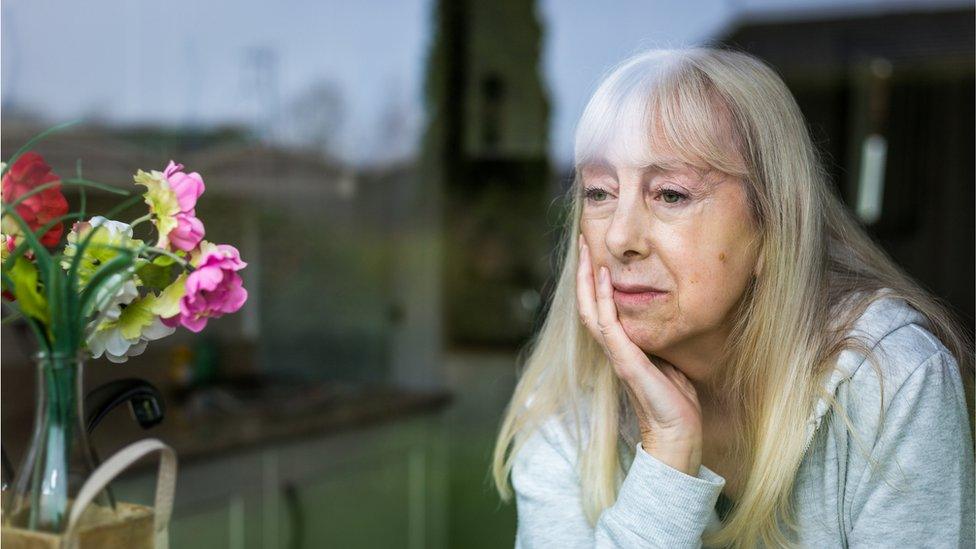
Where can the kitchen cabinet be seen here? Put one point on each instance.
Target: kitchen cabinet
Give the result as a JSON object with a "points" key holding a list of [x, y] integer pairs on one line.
{"points": [[378, 486]]}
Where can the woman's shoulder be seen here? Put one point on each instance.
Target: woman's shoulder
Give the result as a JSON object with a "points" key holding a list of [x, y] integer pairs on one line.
{"points": [[899, 337], [911, 437], [911, 368]]}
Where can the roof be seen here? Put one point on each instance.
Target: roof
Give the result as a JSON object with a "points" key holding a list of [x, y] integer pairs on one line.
{"points": [[829, 42]]}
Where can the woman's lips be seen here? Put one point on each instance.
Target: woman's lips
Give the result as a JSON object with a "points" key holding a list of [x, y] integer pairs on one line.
{"points": [[632, 299]]}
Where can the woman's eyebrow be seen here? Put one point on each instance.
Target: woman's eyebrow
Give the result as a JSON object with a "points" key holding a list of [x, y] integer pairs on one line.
{"points": [[665, 165], [662, 164], [598, 165]]}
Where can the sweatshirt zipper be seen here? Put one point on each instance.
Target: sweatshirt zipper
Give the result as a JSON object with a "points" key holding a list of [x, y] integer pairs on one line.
{"points": [[819, 421], [810, 438]]}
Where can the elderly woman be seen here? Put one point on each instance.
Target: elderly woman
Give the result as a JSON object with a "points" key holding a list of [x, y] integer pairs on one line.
{"points": [[728, 359]]}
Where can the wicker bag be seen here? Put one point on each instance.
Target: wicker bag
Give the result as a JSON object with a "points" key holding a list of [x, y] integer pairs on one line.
{"points": [[131, 526]]}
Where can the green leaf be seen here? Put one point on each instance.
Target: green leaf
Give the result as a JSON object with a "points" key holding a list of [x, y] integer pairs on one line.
{"points": [[81, 182], [156, 274], [23, 276], [164, 260], [41, 256], [168, 302], [33, 141]]}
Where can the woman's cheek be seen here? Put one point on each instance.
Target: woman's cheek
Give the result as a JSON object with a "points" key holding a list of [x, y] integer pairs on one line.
{"points": [[705, 287]]}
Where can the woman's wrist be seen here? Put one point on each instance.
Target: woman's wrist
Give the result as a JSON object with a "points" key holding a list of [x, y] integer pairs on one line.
{"points": [[684, 459]]}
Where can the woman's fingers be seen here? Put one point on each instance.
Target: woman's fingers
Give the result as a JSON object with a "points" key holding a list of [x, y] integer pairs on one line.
{"points": [[630, 360], [599, 314], [607, 316], [585, 292], [678, 377]]}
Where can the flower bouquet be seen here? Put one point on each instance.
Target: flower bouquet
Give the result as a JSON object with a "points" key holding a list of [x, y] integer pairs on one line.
{"points": [[97, 290]]}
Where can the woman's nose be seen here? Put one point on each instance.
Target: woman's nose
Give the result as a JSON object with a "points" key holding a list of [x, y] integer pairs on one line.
{"points": [[629, 237]]}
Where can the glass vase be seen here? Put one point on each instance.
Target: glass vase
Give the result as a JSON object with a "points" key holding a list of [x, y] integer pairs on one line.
{"points": [[59, 457]]}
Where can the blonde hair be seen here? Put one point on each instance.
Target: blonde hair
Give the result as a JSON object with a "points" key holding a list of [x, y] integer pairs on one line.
{"points": [[727, 111]]}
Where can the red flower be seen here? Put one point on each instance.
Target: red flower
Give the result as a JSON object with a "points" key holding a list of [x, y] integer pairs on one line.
{"points": [[28, 172]]}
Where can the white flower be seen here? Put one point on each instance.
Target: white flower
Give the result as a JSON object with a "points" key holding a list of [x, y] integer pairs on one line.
{"points": [[115, 228], [118, 349], [110, 306], [129, 334]]}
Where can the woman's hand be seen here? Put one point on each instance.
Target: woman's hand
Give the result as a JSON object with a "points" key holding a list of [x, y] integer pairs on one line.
{"points": [[665, 401]]}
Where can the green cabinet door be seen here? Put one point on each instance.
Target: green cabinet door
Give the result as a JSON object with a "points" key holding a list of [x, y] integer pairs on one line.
{"points": [[354, 505], [366, 489]]}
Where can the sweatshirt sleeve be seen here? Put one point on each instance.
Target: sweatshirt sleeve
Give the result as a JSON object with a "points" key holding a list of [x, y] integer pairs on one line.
{"points": [[657, 505], [922, 493]]}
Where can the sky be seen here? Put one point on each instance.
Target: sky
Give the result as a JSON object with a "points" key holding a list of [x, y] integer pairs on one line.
{"points": [[184, 62]]}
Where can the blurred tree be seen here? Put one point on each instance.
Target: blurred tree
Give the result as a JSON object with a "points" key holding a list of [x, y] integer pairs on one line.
{"points": [[486, 150]]}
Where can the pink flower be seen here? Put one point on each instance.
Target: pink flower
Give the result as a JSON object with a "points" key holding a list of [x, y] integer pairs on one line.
{"points": [[187, 233], [188, 188], [213, 289]]}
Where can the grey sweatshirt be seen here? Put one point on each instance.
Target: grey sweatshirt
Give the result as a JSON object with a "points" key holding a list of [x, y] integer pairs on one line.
{"points": [[922, 495]]}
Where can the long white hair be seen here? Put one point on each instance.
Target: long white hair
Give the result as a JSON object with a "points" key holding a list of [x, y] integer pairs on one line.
{"points": [[727, 111]]}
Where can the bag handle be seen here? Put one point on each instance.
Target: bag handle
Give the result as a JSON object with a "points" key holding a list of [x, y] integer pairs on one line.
{"points": [[111, 468]]}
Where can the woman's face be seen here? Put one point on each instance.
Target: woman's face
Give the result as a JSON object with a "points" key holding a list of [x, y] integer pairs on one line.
{"points": [[676, 230]]}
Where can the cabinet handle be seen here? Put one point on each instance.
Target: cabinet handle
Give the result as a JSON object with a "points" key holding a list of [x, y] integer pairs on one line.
{"points": [[296, 519]]}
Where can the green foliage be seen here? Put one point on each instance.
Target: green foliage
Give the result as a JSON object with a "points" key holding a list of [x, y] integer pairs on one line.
{"points": [[158, 273], [24, 284]]}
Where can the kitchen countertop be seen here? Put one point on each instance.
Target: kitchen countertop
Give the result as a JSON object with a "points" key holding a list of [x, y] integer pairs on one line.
{"points": [[214, 423], [199, 435]]}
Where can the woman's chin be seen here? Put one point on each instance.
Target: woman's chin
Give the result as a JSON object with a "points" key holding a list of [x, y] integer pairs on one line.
{"points": [[648, 339]]}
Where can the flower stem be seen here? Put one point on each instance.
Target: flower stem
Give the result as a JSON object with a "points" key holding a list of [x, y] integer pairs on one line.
{"points": [[177, 258], [142, 219]]}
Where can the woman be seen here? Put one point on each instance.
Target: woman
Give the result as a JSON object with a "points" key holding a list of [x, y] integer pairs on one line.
{"points": [[723, 332]]}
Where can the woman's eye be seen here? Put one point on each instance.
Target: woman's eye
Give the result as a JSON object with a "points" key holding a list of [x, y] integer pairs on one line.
{"points": [[596, 194], [671, 197]]}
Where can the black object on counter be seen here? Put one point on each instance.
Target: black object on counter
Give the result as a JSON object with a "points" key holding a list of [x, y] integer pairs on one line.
{"points": [[144, 399]]}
